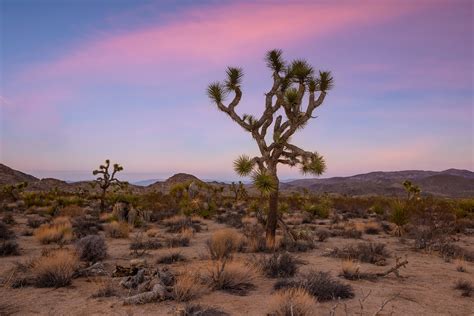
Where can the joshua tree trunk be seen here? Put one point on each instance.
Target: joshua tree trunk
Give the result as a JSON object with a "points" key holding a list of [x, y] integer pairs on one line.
{"points": [[272, 218]]}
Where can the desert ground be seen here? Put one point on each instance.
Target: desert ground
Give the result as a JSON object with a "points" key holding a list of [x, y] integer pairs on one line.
{"points": [[423, 282]]}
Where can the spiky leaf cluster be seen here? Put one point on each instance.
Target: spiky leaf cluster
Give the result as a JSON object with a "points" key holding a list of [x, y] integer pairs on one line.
{"points": [[314, 165], [264, 182], [243, 165]]}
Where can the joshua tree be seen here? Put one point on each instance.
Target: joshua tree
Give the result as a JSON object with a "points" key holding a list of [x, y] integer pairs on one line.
{"points": [[413, 191], [105, 180], [291, 82]]}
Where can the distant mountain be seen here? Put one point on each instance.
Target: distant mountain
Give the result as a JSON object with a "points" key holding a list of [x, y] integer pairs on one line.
{"points": [[145, 183], [449, 183], [11, 176]]}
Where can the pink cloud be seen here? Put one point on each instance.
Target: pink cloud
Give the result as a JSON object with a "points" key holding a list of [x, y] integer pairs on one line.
{"points": [[210, 36]]}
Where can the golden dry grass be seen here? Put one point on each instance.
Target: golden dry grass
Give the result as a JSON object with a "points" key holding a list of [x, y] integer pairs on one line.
{"points": [[224, 242], [295, 302], [55, 269], [350, 267], [232, 276], [187, 287], [72, 211], [59, 231], [117, 230]]}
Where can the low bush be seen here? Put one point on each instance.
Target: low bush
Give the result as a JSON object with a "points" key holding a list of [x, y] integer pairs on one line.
{"points": [[374, 253], [177, 223], [323, 234], [224, 242], [117, 229], [177, 241], [254, 240], [171, 258], [319, 284], [35, 221], [92, 248], [372, 228], [5, 232], [199, 310], [465, 287], [9, 219], [106, 289], [299, 245], [55, 269], [279, 265], [147, 244], [9, 248], [85, 226], [292, 302]]}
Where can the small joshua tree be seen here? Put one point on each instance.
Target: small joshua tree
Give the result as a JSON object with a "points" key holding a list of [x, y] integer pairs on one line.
{"points": [[238, 190], [105, 179], [413, 191], [291, 82]]}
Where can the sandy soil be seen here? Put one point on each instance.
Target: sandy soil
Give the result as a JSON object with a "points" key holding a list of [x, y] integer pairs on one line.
{"points": [[425, 288]]}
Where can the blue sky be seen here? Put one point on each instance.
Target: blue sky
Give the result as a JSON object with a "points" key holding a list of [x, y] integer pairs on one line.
{"points": [[82, 81]]}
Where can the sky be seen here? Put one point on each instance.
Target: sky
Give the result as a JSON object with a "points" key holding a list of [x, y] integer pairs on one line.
{"points": [[83, 81]]}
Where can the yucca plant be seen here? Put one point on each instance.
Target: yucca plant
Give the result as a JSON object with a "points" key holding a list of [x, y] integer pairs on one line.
{"points": [[293, 83], [399, 216]]}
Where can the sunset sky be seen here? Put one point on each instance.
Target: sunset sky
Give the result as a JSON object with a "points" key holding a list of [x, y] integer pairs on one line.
{"points": [[82, 81]]}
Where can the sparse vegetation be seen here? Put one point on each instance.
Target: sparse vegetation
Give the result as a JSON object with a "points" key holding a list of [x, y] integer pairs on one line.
{"points": [[188, 286], [171, 258], [234, 277], [279, 265], [59, 231], [223, 243], [55, 269], [92, 248], [465, 287], [375, 253], [117, 229], [292, 302]]}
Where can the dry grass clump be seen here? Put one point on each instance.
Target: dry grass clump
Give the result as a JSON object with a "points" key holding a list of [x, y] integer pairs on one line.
{"points": [[5, 232], [199, 310], [177, 241], [92, 248], [83, 226], [188, 286], [72, 211], [224, 242], [279, 265], [372, 228], [319, 284], [323, 234], [59, 231], [465, 287], [117, 229], [177, 223], [35, 221], [350, 270], [375, 253], [55, 269], [254, 240], [106, 288], [292, 302], [9, 248], [234, 277], [171, 258]]}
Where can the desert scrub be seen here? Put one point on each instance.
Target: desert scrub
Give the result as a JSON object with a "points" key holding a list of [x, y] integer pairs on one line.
{"points": [[372, 228], [171, 258], [224, 242], [177, 223], [465, 287], [188, 286], [292, 302], [200, 310], [374, 253], [319, 284], [59, 231], [91, 248], [55, 269], [234, 277], [117, 229], [9, 248], [399, 216], [279, 265]]}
